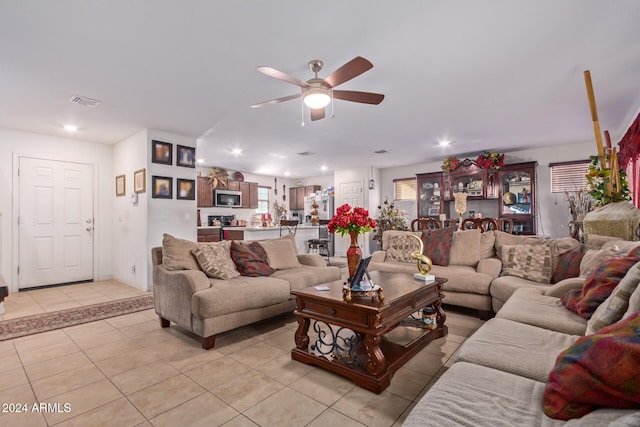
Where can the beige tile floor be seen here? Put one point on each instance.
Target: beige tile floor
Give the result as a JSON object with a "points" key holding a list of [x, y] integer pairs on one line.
{"points": [[127, 371]]}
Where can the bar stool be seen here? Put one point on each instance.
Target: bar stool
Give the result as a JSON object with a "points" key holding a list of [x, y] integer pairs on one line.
{"points": [[288, 226], [321, 244]]}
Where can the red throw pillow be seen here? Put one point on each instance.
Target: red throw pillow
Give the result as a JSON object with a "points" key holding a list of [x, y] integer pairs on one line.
{"points": [[599, 285], [251, 260], [598, 370], [437, 244], [568, 266]]}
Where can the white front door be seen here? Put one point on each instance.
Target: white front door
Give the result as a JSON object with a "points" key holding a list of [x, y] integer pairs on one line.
{"points": [[351, 193], [55, 223]]}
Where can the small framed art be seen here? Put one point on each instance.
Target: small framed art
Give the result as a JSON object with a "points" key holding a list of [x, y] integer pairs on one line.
{"points": [[140, 181], [162, 187], [121, 187], [186, 156], [186, 189], [161, 152]]}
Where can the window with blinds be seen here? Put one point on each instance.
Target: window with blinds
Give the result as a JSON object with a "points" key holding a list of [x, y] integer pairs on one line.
{"points": [[404, 189], [568, 176]]}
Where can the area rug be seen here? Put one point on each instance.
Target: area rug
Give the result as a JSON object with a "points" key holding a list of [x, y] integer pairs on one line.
{"points": [[28, 325]]}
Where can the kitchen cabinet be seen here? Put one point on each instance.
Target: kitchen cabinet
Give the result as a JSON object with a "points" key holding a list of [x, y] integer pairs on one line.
{"points": [[517, 187], [431, 202], [297, 195], [209, 234], [204, 192], [233, 185], [249, 191]]}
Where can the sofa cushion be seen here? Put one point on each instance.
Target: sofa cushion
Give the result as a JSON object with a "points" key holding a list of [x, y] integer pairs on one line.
{"points": [[598, 370], [473, 395], [616, 305], [503, 239], [251, 260], [530, 306], [487, 244], [437, 244], [596, 241], [499, 344], [176, 253], [568, 266], [465, 248], [532, 262], [281, 253], [593, 258], [634, 303], [559, 246], [400, 248], [303, 277], [504, 286], [599, 285], [215, 260]]}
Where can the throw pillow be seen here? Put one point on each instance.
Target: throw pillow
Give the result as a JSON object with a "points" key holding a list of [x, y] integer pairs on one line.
{"points": [[503, 239], [215, 260], [615, 306], [437, 244], [599, 285], [531, 262], [634, 303], [560, 246], [251, 260], [465, 248], [387, 235], [598, 370], [281, 253], [176, 253], [568, 266], [593, 258], [596, 241], [401, 246]]}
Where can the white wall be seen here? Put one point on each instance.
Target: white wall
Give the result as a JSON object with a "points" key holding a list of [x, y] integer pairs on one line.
{"points": [[360, 175], [553, 210], [17, 143]]}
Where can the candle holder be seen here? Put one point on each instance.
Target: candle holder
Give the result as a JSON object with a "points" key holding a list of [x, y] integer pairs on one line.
{"points": [[461, 205]]}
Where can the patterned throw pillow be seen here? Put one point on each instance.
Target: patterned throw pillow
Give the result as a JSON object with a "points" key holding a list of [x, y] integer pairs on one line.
{"points": [[598, 370], [599, 285], [437, 244], [614, 307], [215, 260], [251, 260], [400, 248], [568, 266], [531, 262]]}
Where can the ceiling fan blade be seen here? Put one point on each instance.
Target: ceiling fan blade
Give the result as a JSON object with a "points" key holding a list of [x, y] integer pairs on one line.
{"points": [[355, 96], [317, 114], [276, 101], [351, 69], [272, 72]]}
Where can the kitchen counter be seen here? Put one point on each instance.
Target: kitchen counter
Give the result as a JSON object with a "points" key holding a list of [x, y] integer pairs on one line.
{"points": [[303, 234]]}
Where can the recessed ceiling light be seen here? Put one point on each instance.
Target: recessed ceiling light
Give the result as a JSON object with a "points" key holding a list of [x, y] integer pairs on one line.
{"points": [[323, 168], [200, 161], [236, 151], [70, 128], [444, 143], [287, 173]]}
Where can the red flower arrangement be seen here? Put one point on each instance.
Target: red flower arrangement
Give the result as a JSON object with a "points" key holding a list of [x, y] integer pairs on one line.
{"points": [[490, 160], [450, 163], [348, 220]]}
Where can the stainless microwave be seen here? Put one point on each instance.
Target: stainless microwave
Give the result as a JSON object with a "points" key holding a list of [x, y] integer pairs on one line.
{"points": [[228, 198]]}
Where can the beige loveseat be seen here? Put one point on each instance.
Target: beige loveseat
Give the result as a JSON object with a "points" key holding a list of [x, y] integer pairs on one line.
{"points": [[499, 374], [206, 306]]}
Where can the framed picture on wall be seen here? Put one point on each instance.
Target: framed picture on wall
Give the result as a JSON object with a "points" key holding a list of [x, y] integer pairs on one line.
{"points": [[161, 152], [186, 189], [186, 156], [121, 185], [140, 181], [162, 187]]}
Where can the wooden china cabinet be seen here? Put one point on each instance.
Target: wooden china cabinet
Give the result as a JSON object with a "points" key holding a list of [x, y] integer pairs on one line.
{"points": [[431, 195], [518, 189]]}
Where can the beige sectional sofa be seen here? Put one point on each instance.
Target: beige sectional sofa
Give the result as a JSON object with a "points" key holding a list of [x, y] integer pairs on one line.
{"points": [[206, 306], [508, 372]]}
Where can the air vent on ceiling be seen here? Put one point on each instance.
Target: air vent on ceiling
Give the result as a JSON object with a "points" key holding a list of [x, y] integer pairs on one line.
{"points": [[381, 151], [84, 101], [306, 153]]}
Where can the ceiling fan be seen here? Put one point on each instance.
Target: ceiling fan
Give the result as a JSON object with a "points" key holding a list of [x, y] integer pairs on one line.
{"points": [[317, 93]]}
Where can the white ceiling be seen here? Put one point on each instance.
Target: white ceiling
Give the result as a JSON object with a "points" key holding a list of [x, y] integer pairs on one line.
{"points": [[489, 74]]}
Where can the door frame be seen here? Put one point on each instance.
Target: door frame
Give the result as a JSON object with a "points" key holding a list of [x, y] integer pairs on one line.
{"points": [[15, 207]]}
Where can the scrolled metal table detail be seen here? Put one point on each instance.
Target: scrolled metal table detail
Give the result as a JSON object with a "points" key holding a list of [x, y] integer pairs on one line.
{"points": [[339, 344]]}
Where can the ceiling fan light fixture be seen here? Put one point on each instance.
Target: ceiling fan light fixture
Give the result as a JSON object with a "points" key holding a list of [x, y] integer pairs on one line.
{"points": [[317, 98]]}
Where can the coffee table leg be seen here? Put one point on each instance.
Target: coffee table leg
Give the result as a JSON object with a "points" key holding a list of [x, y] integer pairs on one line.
{"points": [[302, 339], [376, 363], [440, 316]]}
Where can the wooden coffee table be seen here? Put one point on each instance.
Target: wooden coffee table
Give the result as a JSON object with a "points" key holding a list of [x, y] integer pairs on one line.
{"points": [[364, 355]]}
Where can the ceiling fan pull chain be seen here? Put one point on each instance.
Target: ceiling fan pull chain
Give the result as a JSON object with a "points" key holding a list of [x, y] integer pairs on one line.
{"points": [[333, 116], [302, 112]]}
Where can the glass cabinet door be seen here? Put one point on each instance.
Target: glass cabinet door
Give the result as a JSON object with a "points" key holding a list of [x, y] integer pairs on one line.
{"points": [[472, 184], [430, 197], [516, 193]]}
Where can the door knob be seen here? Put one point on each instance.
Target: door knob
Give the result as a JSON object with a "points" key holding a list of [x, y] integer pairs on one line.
{"points": [[89, 228]]}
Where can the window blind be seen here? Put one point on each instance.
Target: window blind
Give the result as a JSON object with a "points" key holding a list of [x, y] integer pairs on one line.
{"points": [[568, 176], [404, 189]]}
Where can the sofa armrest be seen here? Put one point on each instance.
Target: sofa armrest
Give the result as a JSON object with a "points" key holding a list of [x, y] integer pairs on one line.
{"points": [[378, 256], [490, 266], [172, 292], [562, 287], [313, 260]]}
